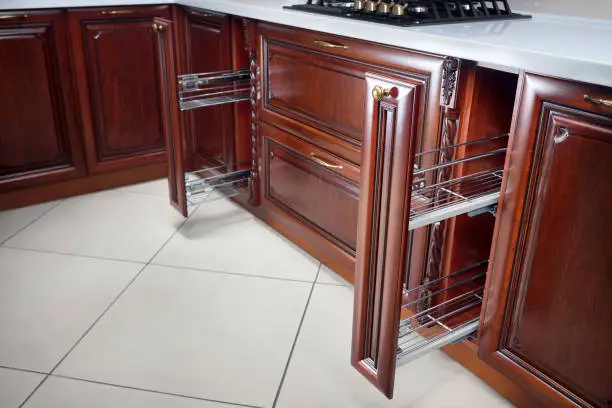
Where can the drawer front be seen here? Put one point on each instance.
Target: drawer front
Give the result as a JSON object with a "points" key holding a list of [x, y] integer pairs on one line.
{"points": [[316, 89], [312, 185]]}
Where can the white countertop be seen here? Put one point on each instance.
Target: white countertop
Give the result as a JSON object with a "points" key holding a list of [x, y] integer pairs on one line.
{"points": [[565, 47]]}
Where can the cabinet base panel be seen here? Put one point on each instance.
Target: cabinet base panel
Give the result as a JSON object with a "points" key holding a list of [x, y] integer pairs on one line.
{"points": [[89, 184]]}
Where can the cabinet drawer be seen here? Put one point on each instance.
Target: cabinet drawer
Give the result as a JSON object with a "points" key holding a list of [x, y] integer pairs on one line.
{"points": [[324, 92], [311, 185]]}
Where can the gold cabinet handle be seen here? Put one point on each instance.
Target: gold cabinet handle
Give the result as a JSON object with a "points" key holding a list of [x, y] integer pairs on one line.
{"points": [[117, 12], [14, 16], [201, 14], [327, 44], [158, 27], [324, 163], [379, 93], [598, 101]]}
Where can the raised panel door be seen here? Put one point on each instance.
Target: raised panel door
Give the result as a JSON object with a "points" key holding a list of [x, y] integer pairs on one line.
{"points": [[312, 185], [38, 137], [548, 317], [119, 59]]}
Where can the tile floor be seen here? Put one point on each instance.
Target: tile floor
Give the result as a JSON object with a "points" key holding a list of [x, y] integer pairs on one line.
{"points": [[113, 300]]}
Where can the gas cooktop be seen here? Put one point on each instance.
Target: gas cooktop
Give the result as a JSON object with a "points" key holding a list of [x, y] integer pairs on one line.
{"points": [[413, 12]]}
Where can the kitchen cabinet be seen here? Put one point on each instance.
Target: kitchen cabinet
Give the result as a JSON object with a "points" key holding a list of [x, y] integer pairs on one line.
{"points": [[122, 57], [313, 88], [206, 46], [315, 187], [409, 301], [39, 137], [208, 159], [548, 318]]}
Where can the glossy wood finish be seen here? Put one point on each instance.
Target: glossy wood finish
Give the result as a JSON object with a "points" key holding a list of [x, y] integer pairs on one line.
{"points": [[388, 151], [39, 140], [328, 116], [119, 63], [299, 182], [546, 324], [206, 47], [326, 99], [322, 93]]}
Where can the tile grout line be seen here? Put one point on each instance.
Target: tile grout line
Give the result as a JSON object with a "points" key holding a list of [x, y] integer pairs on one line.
{"points": [[297, 335], [129, 387], [105, 311], [32, 222], [241, 274], [23, 370], [44, 251]]}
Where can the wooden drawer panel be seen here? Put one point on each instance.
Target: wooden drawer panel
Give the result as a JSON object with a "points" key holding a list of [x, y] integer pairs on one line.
{"points": [[298, 181], [316, 89]]}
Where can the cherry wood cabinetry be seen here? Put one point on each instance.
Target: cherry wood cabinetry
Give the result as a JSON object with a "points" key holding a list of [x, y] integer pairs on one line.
{"points": [[39, 140], [313, 186], [121, 58], [313, 86], [206, 39], [383, 226], [548, 318]]}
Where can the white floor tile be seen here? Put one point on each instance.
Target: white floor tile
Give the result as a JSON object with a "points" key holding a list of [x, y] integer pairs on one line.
{"points": [[320, 373], [11, 221], [221, 236], [155, 187], [210, 335], [328, 276], [109, 224], [15, 386], [66, 393], [464, 390], [47, 302]]}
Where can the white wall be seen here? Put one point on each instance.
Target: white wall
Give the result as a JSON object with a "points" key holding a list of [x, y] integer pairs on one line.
{"points": [[601, 9]]}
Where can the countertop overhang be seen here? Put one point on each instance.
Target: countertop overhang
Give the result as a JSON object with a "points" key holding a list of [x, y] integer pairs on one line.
{"points": [[564, 47]]}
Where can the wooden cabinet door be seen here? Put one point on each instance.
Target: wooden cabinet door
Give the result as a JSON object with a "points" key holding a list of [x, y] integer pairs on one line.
{"points": [[207, 47], [548, 316], [38, 134], [120, 60], [382, 231], [312, 186]]}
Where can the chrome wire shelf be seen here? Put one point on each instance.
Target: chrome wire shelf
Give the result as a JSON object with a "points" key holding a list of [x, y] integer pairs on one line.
{"points": [[471, 183], [214, 183], [213, 88], [448, 321]]}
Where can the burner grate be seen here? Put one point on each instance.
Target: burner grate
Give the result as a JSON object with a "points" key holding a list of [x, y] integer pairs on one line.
{"points": [[416, 12]]}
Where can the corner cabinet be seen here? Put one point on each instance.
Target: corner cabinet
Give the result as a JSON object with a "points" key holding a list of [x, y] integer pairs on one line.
{"points": [[548, 317], [122, 59], [39, 139]]}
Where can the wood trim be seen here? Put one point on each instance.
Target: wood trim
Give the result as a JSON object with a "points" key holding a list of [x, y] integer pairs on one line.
{"points": [[83, 185]]}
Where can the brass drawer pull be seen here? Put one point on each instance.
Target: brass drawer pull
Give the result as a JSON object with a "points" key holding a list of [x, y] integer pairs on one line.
{"points": [[117, 12], [14, 16], [598, 101], [327, 44], [158, 27], [379, 93], [324, 163], [200, 14]]}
